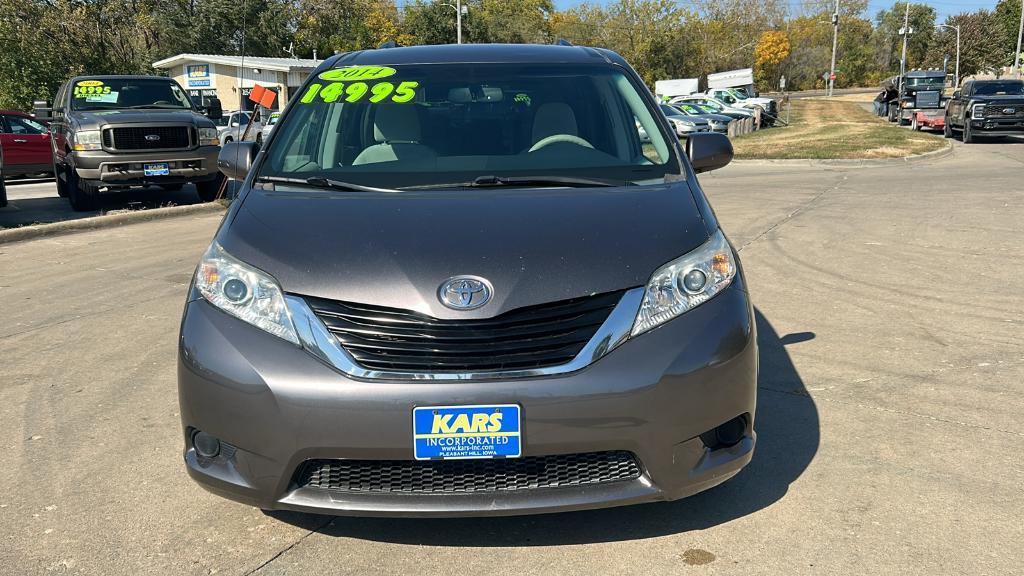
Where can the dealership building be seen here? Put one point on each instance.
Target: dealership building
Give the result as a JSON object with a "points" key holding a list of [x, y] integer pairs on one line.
{"points": [[231, 78]]}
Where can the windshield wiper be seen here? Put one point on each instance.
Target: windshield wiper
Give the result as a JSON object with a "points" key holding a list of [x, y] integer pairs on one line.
{"points": [[157, 106], [524, 181], [321, 182]]}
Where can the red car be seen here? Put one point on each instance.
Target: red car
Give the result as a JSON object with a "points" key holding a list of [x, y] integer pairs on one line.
{"points": [[26, 144]]}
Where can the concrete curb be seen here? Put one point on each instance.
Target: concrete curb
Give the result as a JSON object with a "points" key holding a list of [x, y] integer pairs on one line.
{"points": [[106, 221], [853, 163]]}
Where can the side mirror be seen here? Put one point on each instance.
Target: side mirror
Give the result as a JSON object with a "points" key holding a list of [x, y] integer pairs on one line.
{"points": [[236, 159], [956, 94], [214, 111], [707, 151], [42, 111]]}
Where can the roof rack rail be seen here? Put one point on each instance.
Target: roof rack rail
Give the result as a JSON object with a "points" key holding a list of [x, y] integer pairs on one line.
{"points": [[388, 44], [563, 42]]}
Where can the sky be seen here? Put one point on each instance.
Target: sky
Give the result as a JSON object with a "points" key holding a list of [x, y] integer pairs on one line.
{"points": [[943, 7]]}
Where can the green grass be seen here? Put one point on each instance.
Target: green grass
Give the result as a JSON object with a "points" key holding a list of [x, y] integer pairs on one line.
{"points": [[832, 129]]}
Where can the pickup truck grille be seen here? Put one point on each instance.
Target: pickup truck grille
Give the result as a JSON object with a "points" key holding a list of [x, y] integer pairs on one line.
{"points": [[999, 110], [927, 99], [147, 138]]}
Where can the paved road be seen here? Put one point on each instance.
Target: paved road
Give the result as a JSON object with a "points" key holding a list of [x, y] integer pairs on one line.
{"points": [[890, 319], [36, 201]]}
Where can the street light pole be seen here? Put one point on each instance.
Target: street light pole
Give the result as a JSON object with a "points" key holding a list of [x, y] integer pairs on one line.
{"points": [[956, 72], [458, 19], [835, 39]]}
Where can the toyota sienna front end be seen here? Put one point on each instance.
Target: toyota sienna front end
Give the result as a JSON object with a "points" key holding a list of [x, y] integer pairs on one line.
{"points": [[457, 281]]}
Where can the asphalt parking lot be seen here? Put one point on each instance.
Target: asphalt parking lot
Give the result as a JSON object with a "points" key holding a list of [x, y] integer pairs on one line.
{"points": [[889, 304]]}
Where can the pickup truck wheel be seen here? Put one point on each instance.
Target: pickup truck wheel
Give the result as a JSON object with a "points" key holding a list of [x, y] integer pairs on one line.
{"points": [[947, 128], [208, 190], [83, 196], [968, 134]]}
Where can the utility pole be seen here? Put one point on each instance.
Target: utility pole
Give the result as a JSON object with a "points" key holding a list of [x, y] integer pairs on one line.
{"points": [[1020, 32], [835, 39], [458, 19], [903, 57]]}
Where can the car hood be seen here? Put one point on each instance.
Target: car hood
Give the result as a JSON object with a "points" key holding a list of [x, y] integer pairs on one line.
{"points": [[395, 249], [102, 118], [1000, 99]]}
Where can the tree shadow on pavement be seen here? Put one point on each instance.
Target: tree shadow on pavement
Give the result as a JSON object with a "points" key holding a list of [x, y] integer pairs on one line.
{"points": [[787, 440]]}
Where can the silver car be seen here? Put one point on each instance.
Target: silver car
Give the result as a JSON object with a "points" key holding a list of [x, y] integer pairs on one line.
{"points": [[233, 125]]}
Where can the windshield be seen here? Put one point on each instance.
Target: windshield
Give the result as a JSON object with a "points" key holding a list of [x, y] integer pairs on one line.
{"points": [[930, 82], [1009, 88], [690, 109], [117, 93], [433, 124]]}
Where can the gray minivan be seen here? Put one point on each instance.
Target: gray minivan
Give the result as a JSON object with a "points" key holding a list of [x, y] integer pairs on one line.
{"points": [[456, 281]]}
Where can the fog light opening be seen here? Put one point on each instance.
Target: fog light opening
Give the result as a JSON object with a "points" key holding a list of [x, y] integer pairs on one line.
{"points": [[206, 446], [726, 435]]}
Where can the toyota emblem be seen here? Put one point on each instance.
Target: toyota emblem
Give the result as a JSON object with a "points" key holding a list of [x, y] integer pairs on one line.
{"points": [[464, 292]]}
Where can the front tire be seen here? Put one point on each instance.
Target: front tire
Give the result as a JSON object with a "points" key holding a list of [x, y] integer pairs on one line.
{"points": [[968, 134], [84, 197], [60, 176], [209, 190]]}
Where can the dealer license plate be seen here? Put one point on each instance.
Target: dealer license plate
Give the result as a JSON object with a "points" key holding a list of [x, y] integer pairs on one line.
{"points": [[462, 432], [161, 169]]}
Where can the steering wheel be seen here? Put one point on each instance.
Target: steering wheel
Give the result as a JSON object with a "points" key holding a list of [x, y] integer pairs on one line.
{"points": [[555, 138]]}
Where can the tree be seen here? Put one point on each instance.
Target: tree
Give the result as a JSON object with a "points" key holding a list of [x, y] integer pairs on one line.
{"points": [[1007, 17], [771, 49], [888, 41], [979, 50]]}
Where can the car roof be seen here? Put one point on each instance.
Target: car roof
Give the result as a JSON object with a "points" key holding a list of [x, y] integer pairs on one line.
{"points": [[476, 54], [926, 74], [119, 77]]}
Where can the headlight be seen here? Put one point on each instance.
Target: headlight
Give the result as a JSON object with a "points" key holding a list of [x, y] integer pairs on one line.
{"points": [[686, 283], [244, 292], [209, 137], [87, 140], [978, 111]]}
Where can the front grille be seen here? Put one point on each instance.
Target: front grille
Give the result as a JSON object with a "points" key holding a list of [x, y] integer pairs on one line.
{"points": [[996, 110], [467, 476], [927, 99], [533, 337], [135, 137]]}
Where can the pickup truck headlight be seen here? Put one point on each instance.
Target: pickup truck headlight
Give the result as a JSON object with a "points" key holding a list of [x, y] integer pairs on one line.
{"points": [[209, 137], [246, 293], [685, 283], [978, 111], [87, 140]]}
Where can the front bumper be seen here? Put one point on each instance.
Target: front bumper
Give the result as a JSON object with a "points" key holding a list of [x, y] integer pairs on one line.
{"points": [[126, 169], [1000, 126], [276, 406]]}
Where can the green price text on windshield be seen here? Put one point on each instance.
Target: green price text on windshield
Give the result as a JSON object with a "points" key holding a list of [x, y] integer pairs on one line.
{"points": [[357, 91], [83, 90]]}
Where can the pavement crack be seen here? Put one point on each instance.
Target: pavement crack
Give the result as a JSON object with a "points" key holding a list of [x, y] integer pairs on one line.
{"points": [[285, 550], [793, 214]]}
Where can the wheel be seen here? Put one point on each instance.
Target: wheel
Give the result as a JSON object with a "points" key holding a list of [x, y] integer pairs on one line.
{"points": [[968, 134], [208, 190], [947, 128], [227, 139], [171, 187], [259, 138], [84, 197]]}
